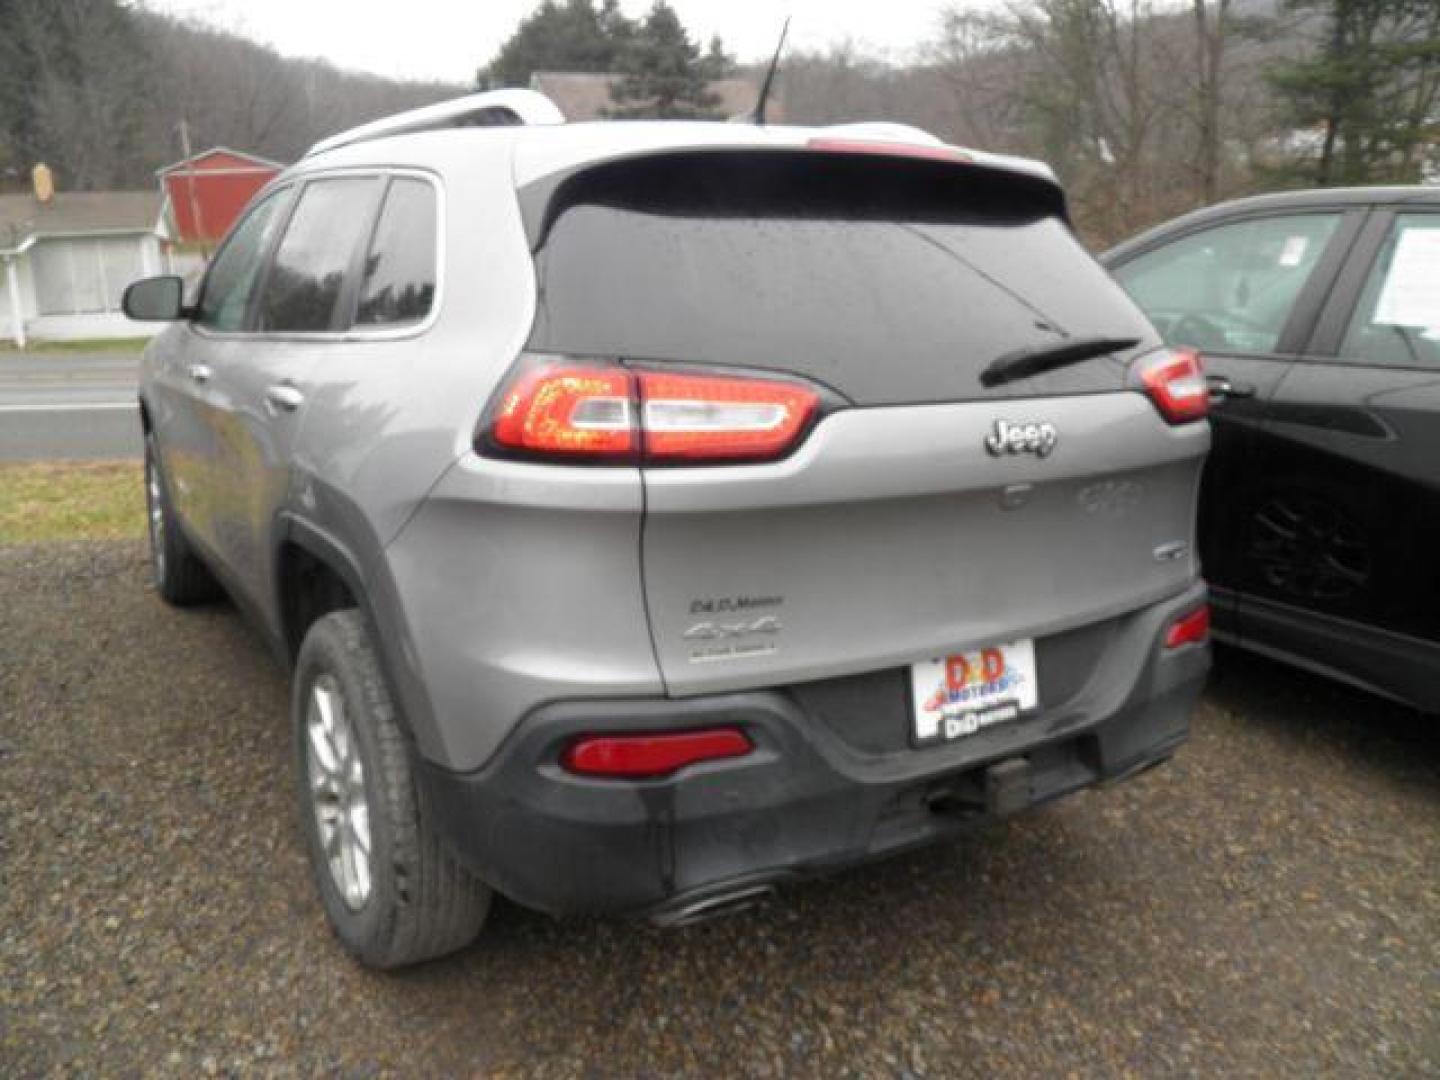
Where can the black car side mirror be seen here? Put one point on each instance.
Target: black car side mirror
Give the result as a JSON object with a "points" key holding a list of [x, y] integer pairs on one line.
{"points": [[156, 299]]}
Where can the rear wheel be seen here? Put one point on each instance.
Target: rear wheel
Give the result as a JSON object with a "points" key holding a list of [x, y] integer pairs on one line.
{"points": [[179, 575], [393, 893]]}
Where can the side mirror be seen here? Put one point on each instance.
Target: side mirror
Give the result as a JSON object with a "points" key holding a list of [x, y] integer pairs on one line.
{"points": [[156, 299]]}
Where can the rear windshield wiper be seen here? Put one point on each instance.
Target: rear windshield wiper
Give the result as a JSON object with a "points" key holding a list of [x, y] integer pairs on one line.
{"points": [[1023, 363]]}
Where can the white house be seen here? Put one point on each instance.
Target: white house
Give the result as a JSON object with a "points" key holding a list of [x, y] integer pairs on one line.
{"points": [[64, 263]]}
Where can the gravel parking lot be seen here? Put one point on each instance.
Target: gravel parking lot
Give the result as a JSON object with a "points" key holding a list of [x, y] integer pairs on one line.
{"points": [[1268, 903]]}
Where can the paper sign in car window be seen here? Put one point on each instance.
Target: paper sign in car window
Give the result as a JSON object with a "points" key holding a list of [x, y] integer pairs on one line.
{"points": [[1293, 253], [1411, 296]]}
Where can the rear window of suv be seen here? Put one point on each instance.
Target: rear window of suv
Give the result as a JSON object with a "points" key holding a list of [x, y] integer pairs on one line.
{"points": [[893, 281]]}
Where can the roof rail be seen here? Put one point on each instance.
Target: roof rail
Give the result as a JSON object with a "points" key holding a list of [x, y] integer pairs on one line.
{"points": [[493, 108]]}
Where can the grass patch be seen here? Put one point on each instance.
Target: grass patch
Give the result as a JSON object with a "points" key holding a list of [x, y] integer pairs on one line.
{"points": [[99, 500], [88, 345]]}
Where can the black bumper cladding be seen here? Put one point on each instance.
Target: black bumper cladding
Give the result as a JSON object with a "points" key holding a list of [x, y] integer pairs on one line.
{"points": [[806, 801]]}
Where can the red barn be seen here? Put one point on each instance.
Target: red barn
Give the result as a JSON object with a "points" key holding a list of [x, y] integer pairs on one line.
{"points": [[204, 194]]}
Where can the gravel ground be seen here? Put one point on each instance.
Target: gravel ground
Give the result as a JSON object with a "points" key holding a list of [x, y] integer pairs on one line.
{"points": [[1268, 903]]}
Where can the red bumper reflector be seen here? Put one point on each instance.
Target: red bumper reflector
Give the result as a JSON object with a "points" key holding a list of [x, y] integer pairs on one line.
{"points": [[1189, 629], [634, 757]]}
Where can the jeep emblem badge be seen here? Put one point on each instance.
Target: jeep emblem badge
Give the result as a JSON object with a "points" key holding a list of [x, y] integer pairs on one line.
{"points": [[1008, 438]]}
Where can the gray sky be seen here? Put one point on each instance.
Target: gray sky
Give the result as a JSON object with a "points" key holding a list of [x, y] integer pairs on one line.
{"points": [[449, 39]]}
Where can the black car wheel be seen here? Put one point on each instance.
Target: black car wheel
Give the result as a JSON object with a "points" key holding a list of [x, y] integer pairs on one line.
{"points": [[393, 892], [1309, 548], [179, 575]]}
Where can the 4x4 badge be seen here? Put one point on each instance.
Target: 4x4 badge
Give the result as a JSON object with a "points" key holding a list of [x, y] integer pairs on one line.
{"points": [[1008, 438]]}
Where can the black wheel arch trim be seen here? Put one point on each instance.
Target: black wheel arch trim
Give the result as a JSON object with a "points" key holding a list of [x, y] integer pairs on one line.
{"points": [[407, 688]]}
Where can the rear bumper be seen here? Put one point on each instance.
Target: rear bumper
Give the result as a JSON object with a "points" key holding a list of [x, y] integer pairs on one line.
{"points": [[806, 801]]}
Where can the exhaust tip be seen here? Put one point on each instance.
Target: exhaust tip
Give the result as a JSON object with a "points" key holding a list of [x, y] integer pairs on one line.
{"points": [[713, 907]]}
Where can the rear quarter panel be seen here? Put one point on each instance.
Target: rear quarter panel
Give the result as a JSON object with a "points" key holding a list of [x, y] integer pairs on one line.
{"points": [[386, 420]]}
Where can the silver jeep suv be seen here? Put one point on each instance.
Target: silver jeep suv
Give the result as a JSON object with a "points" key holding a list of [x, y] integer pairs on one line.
{"points": [[653, 513]]}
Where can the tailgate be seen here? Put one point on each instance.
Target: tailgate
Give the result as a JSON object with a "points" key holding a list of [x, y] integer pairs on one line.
{"points": [[893, 536]]}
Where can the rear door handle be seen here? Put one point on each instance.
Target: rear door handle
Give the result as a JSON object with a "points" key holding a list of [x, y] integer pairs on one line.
{"points": [[282, 397], [199, 372], [1222, 388]]}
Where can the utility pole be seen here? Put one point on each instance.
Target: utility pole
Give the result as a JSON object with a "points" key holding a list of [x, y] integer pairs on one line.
{"points": [[190, 186]]}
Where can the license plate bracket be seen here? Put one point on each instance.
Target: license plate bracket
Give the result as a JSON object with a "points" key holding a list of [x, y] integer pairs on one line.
{"points": [[961, 694]]}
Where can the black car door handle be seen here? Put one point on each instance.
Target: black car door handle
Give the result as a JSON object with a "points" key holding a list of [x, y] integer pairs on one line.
{"points": [[1222, 388]]}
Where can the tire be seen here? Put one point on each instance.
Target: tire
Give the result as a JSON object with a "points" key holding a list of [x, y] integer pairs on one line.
{"points": [[180, 577], [418, 902]]}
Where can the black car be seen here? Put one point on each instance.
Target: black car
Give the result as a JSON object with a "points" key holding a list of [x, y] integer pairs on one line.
{"points": [[1318, 317]]}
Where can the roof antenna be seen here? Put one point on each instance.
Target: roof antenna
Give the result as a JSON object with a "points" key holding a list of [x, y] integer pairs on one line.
{"points": [[757, 114]]}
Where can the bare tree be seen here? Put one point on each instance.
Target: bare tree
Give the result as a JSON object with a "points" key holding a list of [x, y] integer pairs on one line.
{"points": [[838, 85], [974, 59], [1212, 19], [1096, 90]]}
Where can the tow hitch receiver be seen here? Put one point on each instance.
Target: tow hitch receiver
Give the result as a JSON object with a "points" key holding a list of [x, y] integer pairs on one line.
{"points": [[1007, 786], [996, 790]]}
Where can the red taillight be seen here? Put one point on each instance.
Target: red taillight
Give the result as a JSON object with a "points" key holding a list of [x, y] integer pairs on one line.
{"points": [[1175, 381], [893, 149], [635, 757], [610, 413], [708, 417], [1190, 629], [567, 410]]}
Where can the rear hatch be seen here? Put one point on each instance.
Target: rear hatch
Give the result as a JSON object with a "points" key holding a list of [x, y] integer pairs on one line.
{"points": [[925, 513]]}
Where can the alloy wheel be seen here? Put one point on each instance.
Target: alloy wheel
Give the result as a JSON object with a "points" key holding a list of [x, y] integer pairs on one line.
{"points": [[1309, 548], [337, 791], [155, 511]]}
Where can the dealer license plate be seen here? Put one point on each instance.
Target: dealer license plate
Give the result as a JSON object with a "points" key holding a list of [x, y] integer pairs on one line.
{"points": [[959, 695]]}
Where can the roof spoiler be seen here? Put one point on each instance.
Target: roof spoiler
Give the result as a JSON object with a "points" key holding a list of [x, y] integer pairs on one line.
{"points": [[512, 107], [885, 131]]}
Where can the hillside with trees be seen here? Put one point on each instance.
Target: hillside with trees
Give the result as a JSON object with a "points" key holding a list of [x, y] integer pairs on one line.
{"points": [[97, 90], [1145, 108], [1150, 109]]}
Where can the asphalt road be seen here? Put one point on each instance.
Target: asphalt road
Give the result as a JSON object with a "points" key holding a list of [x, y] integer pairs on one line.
{"points": [[68, 406], [1267, 904]]}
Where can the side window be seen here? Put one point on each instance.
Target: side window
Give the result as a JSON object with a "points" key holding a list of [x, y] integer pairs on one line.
{"points": [[397, 284], [225, 294], [1397, 320], [1230, 288], [306, 280]]}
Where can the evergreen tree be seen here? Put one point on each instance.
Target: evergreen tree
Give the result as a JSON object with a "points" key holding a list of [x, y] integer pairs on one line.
{"points": [[664, 75], [717, 63], [571, 36], [1371, 89]]}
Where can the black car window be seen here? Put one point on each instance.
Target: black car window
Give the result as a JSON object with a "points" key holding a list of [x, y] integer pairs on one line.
{"points": [[303, 288], [1397, 320], [225, 294], [1230, 288], [397, 284]]}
